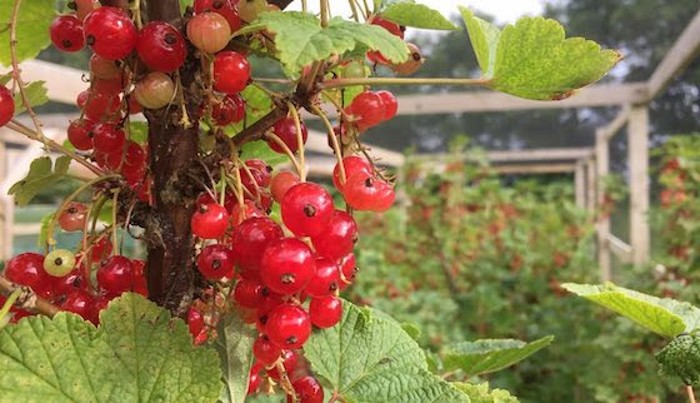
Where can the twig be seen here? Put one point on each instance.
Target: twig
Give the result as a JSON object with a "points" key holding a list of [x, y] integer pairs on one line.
{"points": [[334, 141], [28, 300], [258, 129], [691, 393], [300, 142], [286, 150]]}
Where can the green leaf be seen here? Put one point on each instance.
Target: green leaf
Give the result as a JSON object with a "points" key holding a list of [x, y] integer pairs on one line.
{"points": [[301, 40], [533, 59], [482, 394], [367, 358], [32, 27], [36, 95], [485, 356], [138, 132], [44, 235], [139, 353], [235, 346], [410, 14], [41, 174], [666, 317]]}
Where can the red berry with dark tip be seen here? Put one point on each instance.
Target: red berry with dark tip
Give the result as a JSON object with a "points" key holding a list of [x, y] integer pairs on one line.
{"points": [[368, 110], [349, 270], [230, 110], [161, 47], [288, 326], [80, 134], [307, 209], [28, 269], [281, 183], [365, 192], [116, 275], [249, 293], [110, 33], [209, 32], [75, 280], [286, 130], [353, 165], [287, 266], [67, 33], [338, 238], [216, 262], [73, 217], [251, 238], [231, 72], [325, 312], [81, 303], [265, 351], [210, 221], [308, 390], [326, 281]]}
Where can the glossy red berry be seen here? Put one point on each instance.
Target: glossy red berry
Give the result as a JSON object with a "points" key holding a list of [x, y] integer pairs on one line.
{"points": [[227, 8], [105, 69], [80, 134], [263, 167], [325, 312], [231, 72], [308, 390], [135, 163], [75, 280], [326, 281], [28, 269], [210, 221], [413, 64], [265, 351], [100, 107], [116, 275], [348, 269], [290, 361], [365, 192], [216, 262], [161, 47], [110, 33], [7, 106], [101, 249], [73, 217], [107, 138], [391, 104], [286, 130], [230, 110], [288, 326], [156, 90], [67, 33], [281, 183], [251, 238], [307, 209], [287, 266], [80, 303], [195, 322], [368, 110], [338, 238], [353, 165], [209, 32], [249, 293], [254, 379]]}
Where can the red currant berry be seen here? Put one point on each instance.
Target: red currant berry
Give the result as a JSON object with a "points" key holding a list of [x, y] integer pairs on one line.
{"points": [[308, 390], [80, 303], [254, 379], [135, 163], [195, 322], [216, 262], [326, 281], [140, 283], [75, 280], [28, 269], [161, 47], [286, 130], [249, 293], [105, 69], [107, 138], [353, 165], [391, 105], [249, 210], [349, 270], [209, 32], [287, 266], [251, 238], [325, 312], [231, 72], [112, 87], [230, 110], [281, 183], [339, 237], [368, 110], [67, 33], [101, 249], [7, 106], [227, 8], [210, 221], [116, 275], [101, 107], [290, 365], [155, 91], [263, 167], [365, 192], [288, 326], [265, 352], [73, 217], [80, 134], [413, 64], [307, 209], [110, 33]]}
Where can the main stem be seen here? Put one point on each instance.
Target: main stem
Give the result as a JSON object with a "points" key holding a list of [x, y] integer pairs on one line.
{"points": [[173, 151]]}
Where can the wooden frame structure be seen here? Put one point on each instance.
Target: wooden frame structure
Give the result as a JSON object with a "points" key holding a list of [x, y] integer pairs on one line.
{"points": [[587, 165]]}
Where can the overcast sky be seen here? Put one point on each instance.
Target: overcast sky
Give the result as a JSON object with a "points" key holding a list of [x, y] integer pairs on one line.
{"points": [[503, 10]]}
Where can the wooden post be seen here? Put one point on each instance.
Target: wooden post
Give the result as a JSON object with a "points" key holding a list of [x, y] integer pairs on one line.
{"points": [[580, 184], [602, 159], [592, 180], [638, 138]]}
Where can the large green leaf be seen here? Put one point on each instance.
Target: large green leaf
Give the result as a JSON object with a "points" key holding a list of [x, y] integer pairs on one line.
{"points": [[533, 59], [235, 346], [36, 95], [411, 14], [367, 358], [35, 17], [139, 353], [301, 40], [41, 174], [484, 356], [666, 317]]}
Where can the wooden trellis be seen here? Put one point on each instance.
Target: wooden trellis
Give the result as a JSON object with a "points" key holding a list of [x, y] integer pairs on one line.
{"points": [[587, 165]]}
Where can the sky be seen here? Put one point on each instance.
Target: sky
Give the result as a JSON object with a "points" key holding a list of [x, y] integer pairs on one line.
{"points": [[503, 10]]}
